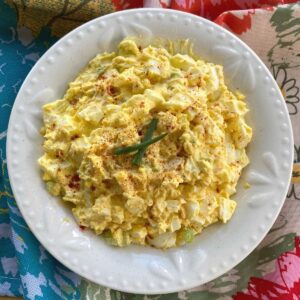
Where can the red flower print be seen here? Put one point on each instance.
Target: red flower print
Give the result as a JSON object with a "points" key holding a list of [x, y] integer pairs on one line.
{"points": [[126, 4], [211, 9], [235, 23], [282, 284]]}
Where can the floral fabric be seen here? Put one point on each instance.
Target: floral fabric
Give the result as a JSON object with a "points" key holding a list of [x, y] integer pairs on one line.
{"points": [[29, 27]]}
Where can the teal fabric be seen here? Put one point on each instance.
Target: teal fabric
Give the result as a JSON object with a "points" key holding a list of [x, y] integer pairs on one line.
{"points": [[26, 269]]}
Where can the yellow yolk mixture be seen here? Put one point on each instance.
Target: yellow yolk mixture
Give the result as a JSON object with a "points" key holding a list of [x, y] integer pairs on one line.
{"points": [[184, 182]]}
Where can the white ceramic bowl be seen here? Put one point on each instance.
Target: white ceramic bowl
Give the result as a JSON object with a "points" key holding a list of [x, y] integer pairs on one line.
{"points": [[144, 269]]}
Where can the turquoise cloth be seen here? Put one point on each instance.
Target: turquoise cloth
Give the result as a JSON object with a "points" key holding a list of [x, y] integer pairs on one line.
{"points": [[26, 269]]}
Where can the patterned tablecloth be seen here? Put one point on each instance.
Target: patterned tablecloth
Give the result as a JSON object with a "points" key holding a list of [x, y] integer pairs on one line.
{"points": [[29, 27]]}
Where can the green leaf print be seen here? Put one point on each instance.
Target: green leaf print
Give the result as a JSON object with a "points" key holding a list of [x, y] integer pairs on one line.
{"points": [[287, 27], [275, 248]]}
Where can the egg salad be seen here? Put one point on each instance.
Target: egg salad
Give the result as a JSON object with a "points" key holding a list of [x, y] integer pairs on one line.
{"points": [[133, 187]]}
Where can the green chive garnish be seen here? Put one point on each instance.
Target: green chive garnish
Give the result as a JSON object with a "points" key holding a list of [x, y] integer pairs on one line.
{"points": [[148, 135], [125, 150], [101, 70]]}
